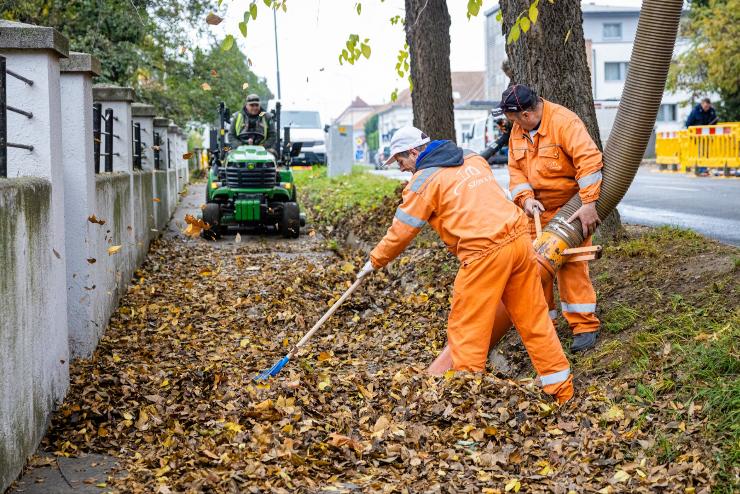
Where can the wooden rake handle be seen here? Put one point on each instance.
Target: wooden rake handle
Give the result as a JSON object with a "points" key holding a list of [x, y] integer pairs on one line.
{"points": [[326, 316], [537, 221]]}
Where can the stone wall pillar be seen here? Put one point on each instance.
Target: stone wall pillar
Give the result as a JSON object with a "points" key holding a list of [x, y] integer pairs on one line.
{"points": [[77, 72]]}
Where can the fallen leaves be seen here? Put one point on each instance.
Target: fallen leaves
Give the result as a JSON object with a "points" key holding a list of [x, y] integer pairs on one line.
{"points": [[195, 226], [213, 19], [205, 86], [113, 249], [170, 387], [93, 219]]}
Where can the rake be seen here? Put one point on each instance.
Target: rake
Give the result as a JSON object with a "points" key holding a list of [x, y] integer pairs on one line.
{"points": [[273, 371]]}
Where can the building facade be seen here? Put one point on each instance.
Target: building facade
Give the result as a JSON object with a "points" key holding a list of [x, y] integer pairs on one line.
{"points": [[610, 35]]}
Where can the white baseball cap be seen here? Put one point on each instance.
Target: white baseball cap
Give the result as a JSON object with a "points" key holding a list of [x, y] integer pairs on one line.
{"points": [[404, 139]]}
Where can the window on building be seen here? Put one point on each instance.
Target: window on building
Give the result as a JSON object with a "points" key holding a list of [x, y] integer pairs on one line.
{"points": [[615, 71], [667, 113], [613, 30]]}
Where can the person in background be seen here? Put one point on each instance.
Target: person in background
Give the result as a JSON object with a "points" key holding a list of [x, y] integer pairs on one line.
{"points": [[551, 158], [252, 125], [702, 114]]}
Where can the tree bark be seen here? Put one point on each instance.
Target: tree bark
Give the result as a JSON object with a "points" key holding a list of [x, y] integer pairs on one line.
{"points": [[428, 37], [551, 59]]}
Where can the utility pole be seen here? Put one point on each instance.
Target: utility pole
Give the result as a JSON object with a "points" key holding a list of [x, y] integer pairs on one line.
{"points": [[277, 56]]}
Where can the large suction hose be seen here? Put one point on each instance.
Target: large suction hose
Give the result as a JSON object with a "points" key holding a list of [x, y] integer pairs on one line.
{"points": [[625, 148], [643, 91]]}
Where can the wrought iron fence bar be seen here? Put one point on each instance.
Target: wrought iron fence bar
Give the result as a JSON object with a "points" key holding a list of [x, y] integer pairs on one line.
{"points": [[97, 110], [108, 140], [19, 77], [3, 122], [18, 110], [20, 146]]}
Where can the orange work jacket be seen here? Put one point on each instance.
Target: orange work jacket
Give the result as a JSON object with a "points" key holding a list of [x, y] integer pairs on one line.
{"points": [[557, 162], [464, 204]]}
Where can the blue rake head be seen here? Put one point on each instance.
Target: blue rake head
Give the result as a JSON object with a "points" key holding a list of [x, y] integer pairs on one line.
{"points": [[272, 371]]}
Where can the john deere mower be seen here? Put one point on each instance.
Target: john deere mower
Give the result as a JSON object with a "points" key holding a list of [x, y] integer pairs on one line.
{"points": [[249, 187]]}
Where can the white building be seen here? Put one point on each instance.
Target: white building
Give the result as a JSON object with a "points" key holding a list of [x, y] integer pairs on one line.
{"points": [[610, 33], [468, 93]]}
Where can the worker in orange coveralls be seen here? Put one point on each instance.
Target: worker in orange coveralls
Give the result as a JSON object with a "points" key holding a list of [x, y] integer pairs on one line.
{"points": [[551, 158], [457, 195]]}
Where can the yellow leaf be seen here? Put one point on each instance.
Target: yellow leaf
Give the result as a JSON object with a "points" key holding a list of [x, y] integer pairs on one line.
{"points": [[205, 86], [513, 484], [621, 476], [157, 199], [101, 484], [113, 249], [324, 356], [166, 382], [347, 267], [614, 414], [244, 343], [245, 85], [127, 416], [233, 427], [116, 358]]}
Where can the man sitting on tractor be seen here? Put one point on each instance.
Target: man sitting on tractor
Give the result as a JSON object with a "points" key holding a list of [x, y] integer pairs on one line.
{"points": [[252, 125]]}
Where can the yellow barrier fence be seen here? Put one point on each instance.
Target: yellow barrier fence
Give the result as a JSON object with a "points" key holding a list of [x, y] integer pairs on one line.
{"points": [[706, 146]]}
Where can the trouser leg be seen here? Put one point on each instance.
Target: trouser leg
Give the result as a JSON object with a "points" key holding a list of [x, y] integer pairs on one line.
{"points": [[577, 296], [528, 309]]}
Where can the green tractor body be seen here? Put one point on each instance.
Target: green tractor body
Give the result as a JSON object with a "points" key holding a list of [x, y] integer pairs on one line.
{"points": [[248, 188]]}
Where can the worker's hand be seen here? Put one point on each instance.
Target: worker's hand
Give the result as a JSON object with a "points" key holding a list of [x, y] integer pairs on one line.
{"points": [[588, 216], [366, 270], [530, 204]]}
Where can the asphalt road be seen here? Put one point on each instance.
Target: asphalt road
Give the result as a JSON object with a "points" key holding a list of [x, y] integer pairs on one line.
{"points": [[707, 205]]}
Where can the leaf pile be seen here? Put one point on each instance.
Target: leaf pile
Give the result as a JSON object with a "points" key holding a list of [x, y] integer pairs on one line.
{"points": [[169, 390]]}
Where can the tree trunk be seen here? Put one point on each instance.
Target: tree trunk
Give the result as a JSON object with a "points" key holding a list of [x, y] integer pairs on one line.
{"points": [[551, 59], [428, 37]]}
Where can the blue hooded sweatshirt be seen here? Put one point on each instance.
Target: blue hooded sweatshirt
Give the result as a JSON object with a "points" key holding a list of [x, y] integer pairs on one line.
{"points": [[440, 153]]}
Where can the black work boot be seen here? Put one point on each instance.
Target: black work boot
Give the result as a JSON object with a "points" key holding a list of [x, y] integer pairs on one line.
{"points": [[584, 341]]}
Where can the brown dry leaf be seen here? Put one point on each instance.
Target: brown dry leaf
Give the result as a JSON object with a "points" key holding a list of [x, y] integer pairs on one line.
{"points": [[156, 199], [195, 225], [93, 219], [187, 156], [91, 260], [205, 86], [338, 440], [214, 73], [213, 19]]}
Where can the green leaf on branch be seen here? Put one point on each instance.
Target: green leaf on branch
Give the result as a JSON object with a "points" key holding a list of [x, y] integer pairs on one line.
{"points": [[365, 50], [358, 7], [533, 12], [253, 11], [474, 7], [513, 34], [243, 28], [499, 16], [524, 23], [394, 95], [227, 43]]}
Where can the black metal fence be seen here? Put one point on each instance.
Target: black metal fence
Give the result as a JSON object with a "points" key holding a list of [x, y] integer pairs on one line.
{"points": [[4, 109], [103, 134], [138, 146], [156, 148], [169, 154]]}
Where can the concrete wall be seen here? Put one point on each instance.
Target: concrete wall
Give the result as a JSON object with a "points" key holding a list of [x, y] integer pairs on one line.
{"points": [[34, 360], [58, 282]]}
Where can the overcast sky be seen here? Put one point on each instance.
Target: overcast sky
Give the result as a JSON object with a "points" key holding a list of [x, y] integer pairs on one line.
{"points": [[313, 32]]}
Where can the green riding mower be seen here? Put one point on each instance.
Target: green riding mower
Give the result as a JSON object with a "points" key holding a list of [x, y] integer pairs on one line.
{"points": [[250, 187]]}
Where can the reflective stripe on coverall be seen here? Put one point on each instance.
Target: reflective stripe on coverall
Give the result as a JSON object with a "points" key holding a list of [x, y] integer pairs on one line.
{"points": [[469, 211], [560, 161]]}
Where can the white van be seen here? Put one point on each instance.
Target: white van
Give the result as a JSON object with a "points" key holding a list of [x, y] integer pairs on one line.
{"points": [[482, 134], [305, 127]]}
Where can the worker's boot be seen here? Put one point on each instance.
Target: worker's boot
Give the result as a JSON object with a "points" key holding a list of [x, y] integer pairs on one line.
{"points": [[584, 341]]}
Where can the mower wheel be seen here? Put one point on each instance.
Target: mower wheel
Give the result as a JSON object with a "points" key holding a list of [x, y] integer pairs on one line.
{"points": [[212, 216], [290, 224]]}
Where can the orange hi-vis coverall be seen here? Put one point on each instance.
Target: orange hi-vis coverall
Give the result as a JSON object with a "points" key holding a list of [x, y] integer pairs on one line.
{"points": [[459, 197], [552, 165]]}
